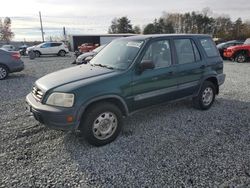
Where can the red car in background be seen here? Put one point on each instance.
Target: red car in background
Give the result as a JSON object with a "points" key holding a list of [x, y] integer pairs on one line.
{"points": [[87, 47], [239, 53]]}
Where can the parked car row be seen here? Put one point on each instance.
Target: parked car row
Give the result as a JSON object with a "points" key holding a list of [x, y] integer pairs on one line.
{"points": [[238, 51]]}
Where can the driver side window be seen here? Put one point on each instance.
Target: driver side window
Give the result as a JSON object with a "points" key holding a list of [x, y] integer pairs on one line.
{"points": [[159, 53], [46, 45]]}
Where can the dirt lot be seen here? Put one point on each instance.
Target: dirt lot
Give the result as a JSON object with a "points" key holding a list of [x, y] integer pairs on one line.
{"points": [[173, 145]]}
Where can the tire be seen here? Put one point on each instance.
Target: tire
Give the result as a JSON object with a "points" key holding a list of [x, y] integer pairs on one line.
{"points": [[101, 123], [32, 55], [62, 53], [206, 96], [241, 58], [37, 53], [4, 72]]}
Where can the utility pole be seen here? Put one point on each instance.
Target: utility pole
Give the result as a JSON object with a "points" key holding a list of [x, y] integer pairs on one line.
{"points": [[41, 25]]}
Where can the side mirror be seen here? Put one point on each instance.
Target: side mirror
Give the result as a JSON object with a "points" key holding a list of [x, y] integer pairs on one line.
{"points": [[146, 64]]}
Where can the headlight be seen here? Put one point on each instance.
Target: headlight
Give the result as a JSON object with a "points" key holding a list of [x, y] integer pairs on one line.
{"points": [[78, 60], [61, 99]]}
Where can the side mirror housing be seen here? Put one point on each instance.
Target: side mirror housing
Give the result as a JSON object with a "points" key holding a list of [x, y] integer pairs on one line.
{"points": [[145, 65]]}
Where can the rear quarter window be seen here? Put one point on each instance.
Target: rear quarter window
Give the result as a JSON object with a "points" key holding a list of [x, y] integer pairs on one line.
{"points": [[209, 47]]}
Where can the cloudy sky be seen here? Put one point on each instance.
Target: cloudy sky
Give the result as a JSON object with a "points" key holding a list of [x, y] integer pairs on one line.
{"points": [[94, 16]]}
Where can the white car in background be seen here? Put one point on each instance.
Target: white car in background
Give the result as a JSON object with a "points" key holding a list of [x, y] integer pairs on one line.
{"points": [[8, 47], [49, 48]]}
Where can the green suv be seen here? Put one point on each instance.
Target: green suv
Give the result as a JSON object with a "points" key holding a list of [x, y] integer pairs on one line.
{"points": [[127, 75]]}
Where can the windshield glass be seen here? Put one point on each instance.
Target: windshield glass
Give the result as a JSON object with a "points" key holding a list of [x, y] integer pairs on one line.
{"points": [[119, 54], [247, 41], [221, 45]]}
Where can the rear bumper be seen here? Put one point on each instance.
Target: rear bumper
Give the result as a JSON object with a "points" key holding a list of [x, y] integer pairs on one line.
{"points": [[52, 117], [16, 66]]}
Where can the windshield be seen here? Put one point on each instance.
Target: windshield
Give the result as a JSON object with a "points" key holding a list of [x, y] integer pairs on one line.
{"points": [[221, 45], [247, 41], [119, 54]]}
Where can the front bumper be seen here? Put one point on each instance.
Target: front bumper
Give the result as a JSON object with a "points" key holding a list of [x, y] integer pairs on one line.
{"points": [[221, 79], [52, 117], [228, 54]]}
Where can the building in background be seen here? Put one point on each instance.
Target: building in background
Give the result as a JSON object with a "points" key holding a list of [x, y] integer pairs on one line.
{"points": [[77, 40]]}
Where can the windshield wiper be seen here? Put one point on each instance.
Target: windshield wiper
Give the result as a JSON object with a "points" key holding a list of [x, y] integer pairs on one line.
{"points": [[101, 65]]}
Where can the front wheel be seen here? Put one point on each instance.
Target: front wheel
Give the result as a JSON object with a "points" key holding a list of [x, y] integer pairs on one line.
{"points": [[61, 53], [101, 123], [37, 54], [206, 96]]}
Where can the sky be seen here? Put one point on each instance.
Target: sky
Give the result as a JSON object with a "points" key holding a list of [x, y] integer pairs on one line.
{"points": [[95, 16]]}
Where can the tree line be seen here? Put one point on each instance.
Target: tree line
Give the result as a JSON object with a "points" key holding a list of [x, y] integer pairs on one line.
{"points": [[5, 30], [191, 22]]}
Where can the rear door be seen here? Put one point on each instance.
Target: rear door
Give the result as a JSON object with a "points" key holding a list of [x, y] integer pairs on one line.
{"points": [[190, 66], [159, 84], [55, 47]]}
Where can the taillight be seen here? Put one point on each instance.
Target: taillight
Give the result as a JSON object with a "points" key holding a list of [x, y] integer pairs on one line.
{"points": [[16, 56], [65, 46]]}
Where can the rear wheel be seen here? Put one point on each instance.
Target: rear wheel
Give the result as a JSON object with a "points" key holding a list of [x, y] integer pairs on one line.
{"points": [[101, 123], [241, 58], [3, 72], [206, 96]]}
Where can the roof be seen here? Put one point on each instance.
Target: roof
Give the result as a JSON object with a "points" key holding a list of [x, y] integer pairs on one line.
{"points": [[103, 35], [143, 37]]}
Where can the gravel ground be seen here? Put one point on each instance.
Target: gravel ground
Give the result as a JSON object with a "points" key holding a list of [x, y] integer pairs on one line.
{"points": [[169, 146]]}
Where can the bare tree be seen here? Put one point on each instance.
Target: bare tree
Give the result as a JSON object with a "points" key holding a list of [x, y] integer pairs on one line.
{"points": [[5, 30]]}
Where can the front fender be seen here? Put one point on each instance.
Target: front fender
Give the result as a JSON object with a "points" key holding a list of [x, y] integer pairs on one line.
{"points": [[85, 105]]}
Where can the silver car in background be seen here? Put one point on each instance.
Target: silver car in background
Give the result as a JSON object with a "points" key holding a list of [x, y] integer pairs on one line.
{"points": [[86, 57]]}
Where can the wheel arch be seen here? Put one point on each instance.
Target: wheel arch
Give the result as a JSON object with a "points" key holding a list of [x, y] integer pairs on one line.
{"points": [[2, 64], [243, 51], [211, 78], [38, 51], [114, 99]]}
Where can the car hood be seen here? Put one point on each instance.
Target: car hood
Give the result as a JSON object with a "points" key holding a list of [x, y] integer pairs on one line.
{"points": [[70, 75], [31, 48], [87, 54]]}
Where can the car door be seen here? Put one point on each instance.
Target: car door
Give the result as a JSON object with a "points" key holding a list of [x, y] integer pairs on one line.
{"points": [[190, 66], [45, 48], [155, 85], [55, 47]]}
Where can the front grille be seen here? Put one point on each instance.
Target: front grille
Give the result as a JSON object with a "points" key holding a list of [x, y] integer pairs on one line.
{"points": [[37, 93]]}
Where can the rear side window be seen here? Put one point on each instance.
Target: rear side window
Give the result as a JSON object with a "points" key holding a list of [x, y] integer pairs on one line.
{"points": [[209, 47], [187, 51], [56, 44]]}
